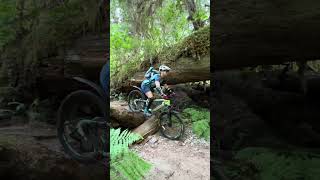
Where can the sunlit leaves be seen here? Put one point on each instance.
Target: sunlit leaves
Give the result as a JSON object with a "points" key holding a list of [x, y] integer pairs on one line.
{"points": [[166, 24]]}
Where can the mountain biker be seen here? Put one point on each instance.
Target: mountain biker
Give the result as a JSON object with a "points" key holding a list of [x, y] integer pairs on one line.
{"points": [[154, 82]]}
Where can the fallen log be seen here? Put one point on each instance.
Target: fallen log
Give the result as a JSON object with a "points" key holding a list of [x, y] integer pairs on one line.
{"points": [[256, 32], [84, 58], [120, 113], [149, 127], [137, 121], [185, 70]]}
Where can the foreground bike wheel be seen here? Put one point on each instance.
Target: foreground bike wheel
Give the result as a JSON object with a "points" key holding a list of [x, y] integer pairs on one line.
{"points": [[136, 101], [81, 106], [171, 125]]}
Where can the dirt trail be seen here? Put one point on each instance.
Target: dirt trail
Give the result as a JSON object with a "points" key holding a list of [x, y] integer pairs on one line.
{"points": [[186, 159]]}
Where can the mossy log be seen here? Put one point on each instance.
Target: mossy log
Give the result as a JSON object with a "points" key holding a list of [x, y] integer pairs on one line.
{"points": [[135, 121], [189, 60], [120, 113], [256, 32]]}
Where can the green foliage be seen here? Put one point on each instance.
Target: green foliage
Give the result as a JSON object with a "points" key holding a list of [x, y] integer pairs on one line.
{"points": [[125, 164], [200, 119], [136, 37], [283, 165], [33, 30], [129, 166], [197, 114], [120, 141], [7, 21], [201, 129]]}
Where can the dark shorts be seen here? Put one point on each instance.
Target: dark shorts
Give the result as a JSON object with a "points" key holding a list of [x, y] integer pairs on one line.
{"points": [[145, 87]]}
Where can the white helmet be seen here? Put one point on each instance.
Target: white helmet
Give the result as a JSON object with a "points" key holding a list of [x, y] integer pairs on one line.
{"points": [[164, 68]]}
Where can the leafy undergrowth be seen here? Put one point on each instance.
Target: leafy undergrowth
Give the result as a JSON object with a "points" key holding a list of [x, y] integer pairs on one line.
{"points": [[200, 119], [126, 164], [283, 165]]}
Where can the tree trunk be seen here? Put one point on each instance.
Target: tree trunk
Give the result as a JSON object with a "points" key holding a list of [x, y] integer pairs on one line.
{"points": [[143, 126], [192, 9], [84, 59], [119, 112], [256, 32], [149, 127], [184, 70]]}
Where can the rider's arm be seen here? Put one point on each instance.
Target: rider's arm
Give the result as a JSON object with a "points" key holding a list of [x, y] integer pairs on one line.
{"points": [[158, 88], [157, 83]]}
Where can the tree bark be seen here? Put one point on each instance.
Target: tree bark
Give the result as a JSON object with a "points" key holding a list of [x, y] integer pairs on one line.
{"points": [[184, 70], [149, 127], [192, 9], [84, 59], [256, 32], [120, 113], [140, 125]]}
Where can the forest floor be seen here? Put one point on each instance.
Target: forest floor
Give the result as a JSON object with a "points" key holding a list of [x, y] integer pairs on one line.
{"points": [[188, 158], [36, 145], [42, 133]]}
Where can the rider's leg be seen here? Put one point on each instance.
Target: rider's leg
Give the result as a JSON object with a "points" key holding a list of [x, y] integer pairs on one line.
{"points": [[150, 99], [149, 102]]}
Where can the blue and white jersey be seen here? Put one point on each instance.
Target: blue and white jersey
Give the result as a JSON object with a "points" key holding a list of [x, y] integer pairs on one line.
{"points": [[151, 81]]}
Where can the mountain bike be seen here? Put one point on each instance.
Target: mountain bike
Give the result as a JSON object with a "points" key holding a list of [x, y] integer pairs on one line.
{"points": [[171, 125], [82, 123]]}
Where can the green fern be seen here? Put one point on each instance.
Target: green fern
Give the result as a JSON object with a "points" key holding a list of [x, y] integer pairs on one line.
{"points": [[201, 129], [283, 165], [125, 164], [197, 114], [200, 119]]}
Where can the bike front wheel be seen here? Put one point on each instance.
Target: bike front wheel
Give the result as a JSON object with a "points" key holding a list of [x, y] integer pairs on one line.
{"points": [[171, 125], [81, 106]]}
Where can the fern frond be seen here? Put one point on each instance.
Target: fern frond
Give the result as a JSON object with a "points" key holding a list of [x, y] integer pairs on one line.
{"points": [[125, 164], [131, 166], [120, 141]]}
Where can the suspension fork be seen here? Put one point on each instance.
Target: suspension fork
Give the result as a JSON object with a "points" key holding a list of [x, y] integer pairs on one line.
{"points": [[91, 136]]}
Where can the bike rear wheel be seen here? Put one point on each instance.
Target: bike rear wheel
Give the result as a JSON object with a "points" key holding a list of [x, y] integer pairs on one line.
{"points": [[136, 101], [171, 125], [81, 106]]}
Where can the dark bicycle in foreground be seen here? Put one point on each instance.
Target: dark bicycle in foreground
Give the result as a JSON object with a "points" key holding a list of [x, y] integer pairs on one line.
{"points": [[82, 121], [171, 125]]}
